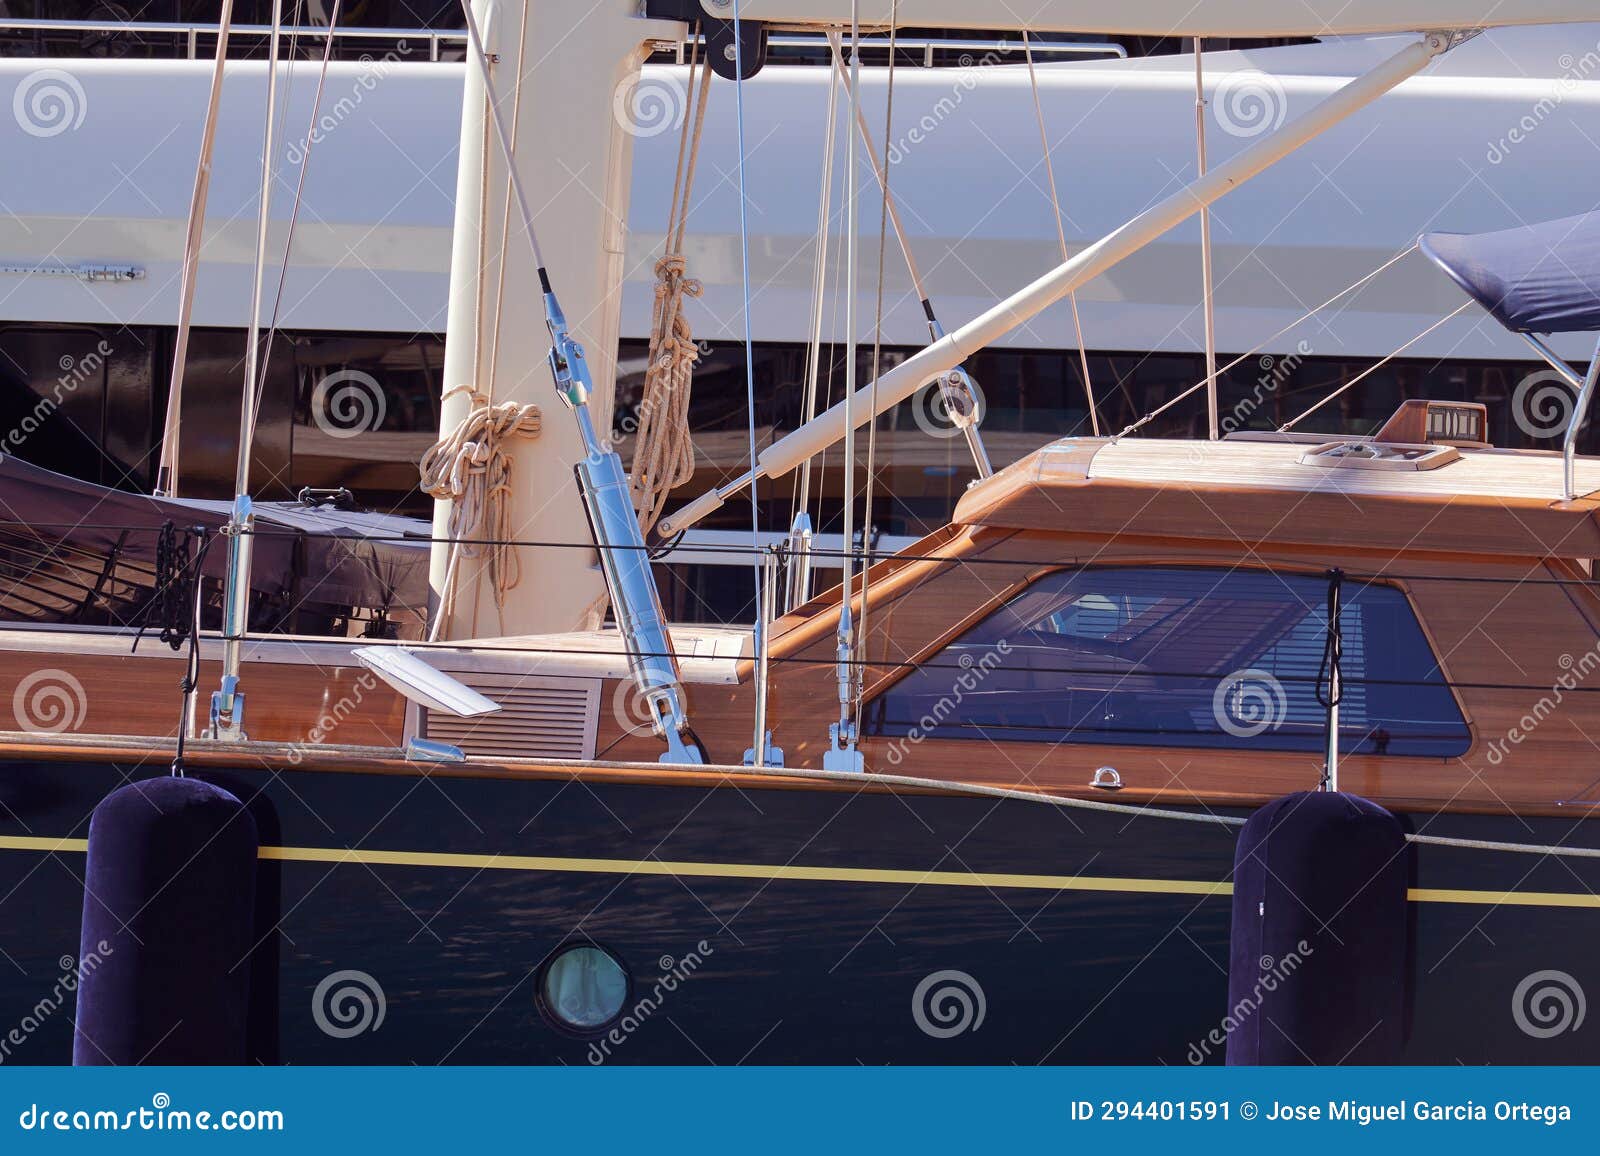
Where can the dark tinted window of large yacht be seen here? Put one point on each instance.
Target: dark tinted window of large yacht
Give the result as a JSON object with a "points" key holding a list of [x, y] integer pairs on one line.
{"points": [[1183, 657]]}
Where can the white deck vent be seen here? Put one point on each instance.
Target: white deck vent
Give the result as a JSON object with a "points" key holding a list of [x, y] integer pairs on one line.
{"points": [[539, 718]]}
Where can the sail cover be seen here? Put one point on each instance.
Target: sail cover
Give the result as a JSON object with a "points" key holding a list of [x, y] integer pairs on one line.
{"points": [[61, 538], [1541, 278]]}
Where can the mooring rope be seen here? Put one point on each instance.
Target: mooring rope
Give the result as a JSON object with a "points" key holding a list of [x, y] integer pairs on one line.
{"points": [[663, 450], [470, 468], [1140, 812], [1514, 848]]}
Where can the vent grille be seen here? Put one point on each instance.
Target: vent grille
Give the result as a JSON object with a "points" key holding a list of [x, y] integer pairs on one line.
{"points": [[539, 718]]}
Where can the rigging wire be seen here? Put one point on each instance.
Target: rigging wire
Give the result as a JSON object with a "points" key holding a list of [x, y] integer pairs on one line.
{"points": [[194, 237], [877, 352], [252, 352], [480, 370], [1374, 367], [759, 639], [1260, 345], [299, 196], [507, 141], [872, 556], [1061, 234], [819, 283]]}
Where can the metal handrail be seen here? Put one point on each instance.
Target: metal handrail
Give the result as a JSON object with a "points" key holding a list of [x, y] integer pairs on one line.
{"points": [[1584, 387], [1580, 411], [192, 32], [929, 46]]}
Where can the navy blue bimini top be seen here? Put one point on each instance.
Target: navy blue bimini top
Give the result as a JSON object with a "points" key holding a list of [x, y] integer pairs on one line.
{"points": [[1541, 278]]}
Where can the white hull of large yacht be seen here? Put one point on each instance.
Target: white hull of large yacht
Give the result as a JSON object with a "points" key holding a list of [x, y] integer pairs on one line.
{"points": [[109, 149]]}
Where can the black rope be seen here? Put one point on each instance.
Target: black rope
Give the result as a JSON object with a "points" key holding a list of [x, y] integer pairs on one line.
{"points": [[173, 586], [175, 605], [1331, 669], [1330, 672]]}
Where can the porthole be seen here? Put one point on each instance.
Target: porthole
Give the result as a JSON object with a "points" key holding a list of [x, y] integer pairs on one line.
{"points": [[583, 988]]}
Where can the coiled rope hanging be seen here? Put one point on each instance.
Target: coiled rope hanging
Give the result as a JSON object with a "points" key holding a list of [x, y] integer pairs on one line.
{"points": [[663, 451], [470, 468]]}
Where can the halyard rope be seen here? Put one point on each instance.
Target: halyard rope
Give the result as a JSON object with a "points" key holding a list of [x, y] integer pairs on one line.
{"points": [[663, 451]]}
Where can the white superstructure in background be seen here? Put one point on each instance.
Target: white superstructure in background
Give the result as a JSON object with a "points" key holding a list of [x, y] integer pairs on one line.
{"points": [[100, 160]]}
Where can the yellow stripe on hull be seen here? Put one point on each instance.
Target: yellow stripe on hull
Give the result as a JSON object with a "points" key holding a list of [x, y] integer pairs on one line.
{"points": [[996, 880]]}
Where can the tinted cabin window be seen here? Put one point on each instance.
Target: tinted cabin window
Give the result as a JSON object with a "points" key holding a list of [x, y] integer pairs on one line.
{"points": [[1183, 657]]}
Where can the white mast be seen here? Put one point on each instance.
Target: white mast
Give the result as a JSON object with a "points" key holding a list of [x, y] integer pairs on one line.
{"points": [[572, 69]]}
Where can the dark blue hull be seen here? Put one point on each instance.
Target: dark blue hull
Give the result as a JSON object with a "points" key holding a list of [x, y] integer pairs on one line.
{"points": [[774, 925]]}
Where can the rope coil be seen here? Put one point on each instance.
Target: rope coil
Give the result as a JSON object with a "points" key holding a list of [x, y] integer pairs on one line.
{"points": [[471, 469], [663, 455], [663, 450]]}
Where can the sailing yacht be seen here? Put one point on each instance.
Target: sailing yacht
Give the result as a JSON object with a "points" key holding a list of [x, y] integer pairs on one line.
{"points": [[979, 801]]}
